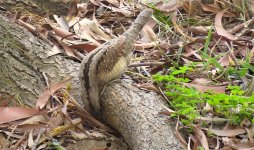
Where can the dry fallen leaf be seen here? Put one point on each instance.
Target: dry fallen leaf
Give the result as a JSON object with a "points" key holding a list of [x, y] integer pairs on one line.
{"points": [[202, 88], [145, 45], [35, 120], [69, 51], [55, 50], [63, 33], [215, 9], [78, 135], [228, 133], [3, 141], [44, 97], [30, 141], [81, 29], [90, 25], [228, 143], [82, 8], [149, 86], [86, 46], [73, 9], [250, 135], [179, 136], [156, 53], [244, 145], [56, 120], [200, 136], [219, 27], [201, 81], [123, 11], [113, 2], [28, 127], [73, 21], [28, 26], [62, 22], [168, 6], [9, 114], [149, 33], [190, 51]]}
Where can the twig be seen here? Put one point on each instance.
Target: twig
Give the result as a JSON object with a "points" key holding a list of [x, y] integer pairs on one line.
{"points": [[38, 138], [150, 64], [87, 116], [45, 78], [145, 71]]}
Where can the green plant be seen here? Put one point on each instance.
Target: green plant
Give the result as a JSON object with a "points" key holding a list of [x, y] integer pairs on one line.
{"points": [[188, 102], [160, 17], [207, 59]]}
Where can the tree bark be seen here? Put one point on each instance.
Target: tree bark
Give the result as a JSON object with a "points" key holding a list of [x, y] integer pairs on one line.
{"points": [[134, 113], [41, 7], [24, 59], [131, 111]]}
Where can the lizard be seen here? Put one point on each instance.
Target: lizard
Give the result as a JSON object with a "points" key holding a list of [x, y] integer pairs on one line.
{"points": [[108, 62]]}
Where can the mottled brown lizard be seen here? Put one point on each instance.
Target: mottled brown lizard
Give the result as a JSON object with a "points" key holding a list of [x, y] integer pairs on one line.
{"points": [[108, 62]]}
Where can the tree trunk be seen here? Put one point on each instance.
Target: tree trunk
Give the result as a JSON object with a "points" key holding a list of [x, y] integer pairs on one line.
{"points": [[133, 112]]}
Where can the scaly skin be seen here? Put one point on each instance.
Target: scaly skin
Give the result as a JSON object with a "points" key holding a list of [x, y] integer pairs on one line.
{"points": [[108, 62]]}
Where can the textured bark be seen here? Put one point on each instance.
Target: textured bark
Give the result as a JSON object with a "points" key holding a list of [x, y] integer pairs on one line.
{"points": [[24, 60], [133, 112], [41, 7]]}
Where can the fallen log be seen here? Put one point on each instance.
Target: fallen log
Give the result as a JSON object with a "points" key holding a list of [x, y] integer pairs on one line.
{"points": [[135, 114], [132, 112]]}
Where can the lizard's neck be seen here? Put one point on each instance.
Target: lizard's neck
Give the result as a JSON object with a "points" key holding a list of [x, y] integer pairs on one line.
{"points": [[108, 62], [132, 33]]}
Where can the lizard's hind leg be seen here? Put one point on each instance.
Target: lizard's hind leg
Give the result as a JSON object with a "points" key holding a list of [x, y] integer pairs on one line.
{"points": [[110, 82]]}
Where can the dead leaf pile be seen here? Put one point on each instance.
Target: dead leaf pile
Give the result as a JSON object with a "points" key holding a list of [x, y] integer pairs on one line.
{"points": [[54, 117], [176, 36], [86, 26]]}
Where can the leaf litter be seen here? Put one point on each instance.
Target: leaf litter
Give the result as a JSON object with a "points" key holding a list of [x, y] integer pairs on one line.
{"points": [[176, 36]]}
